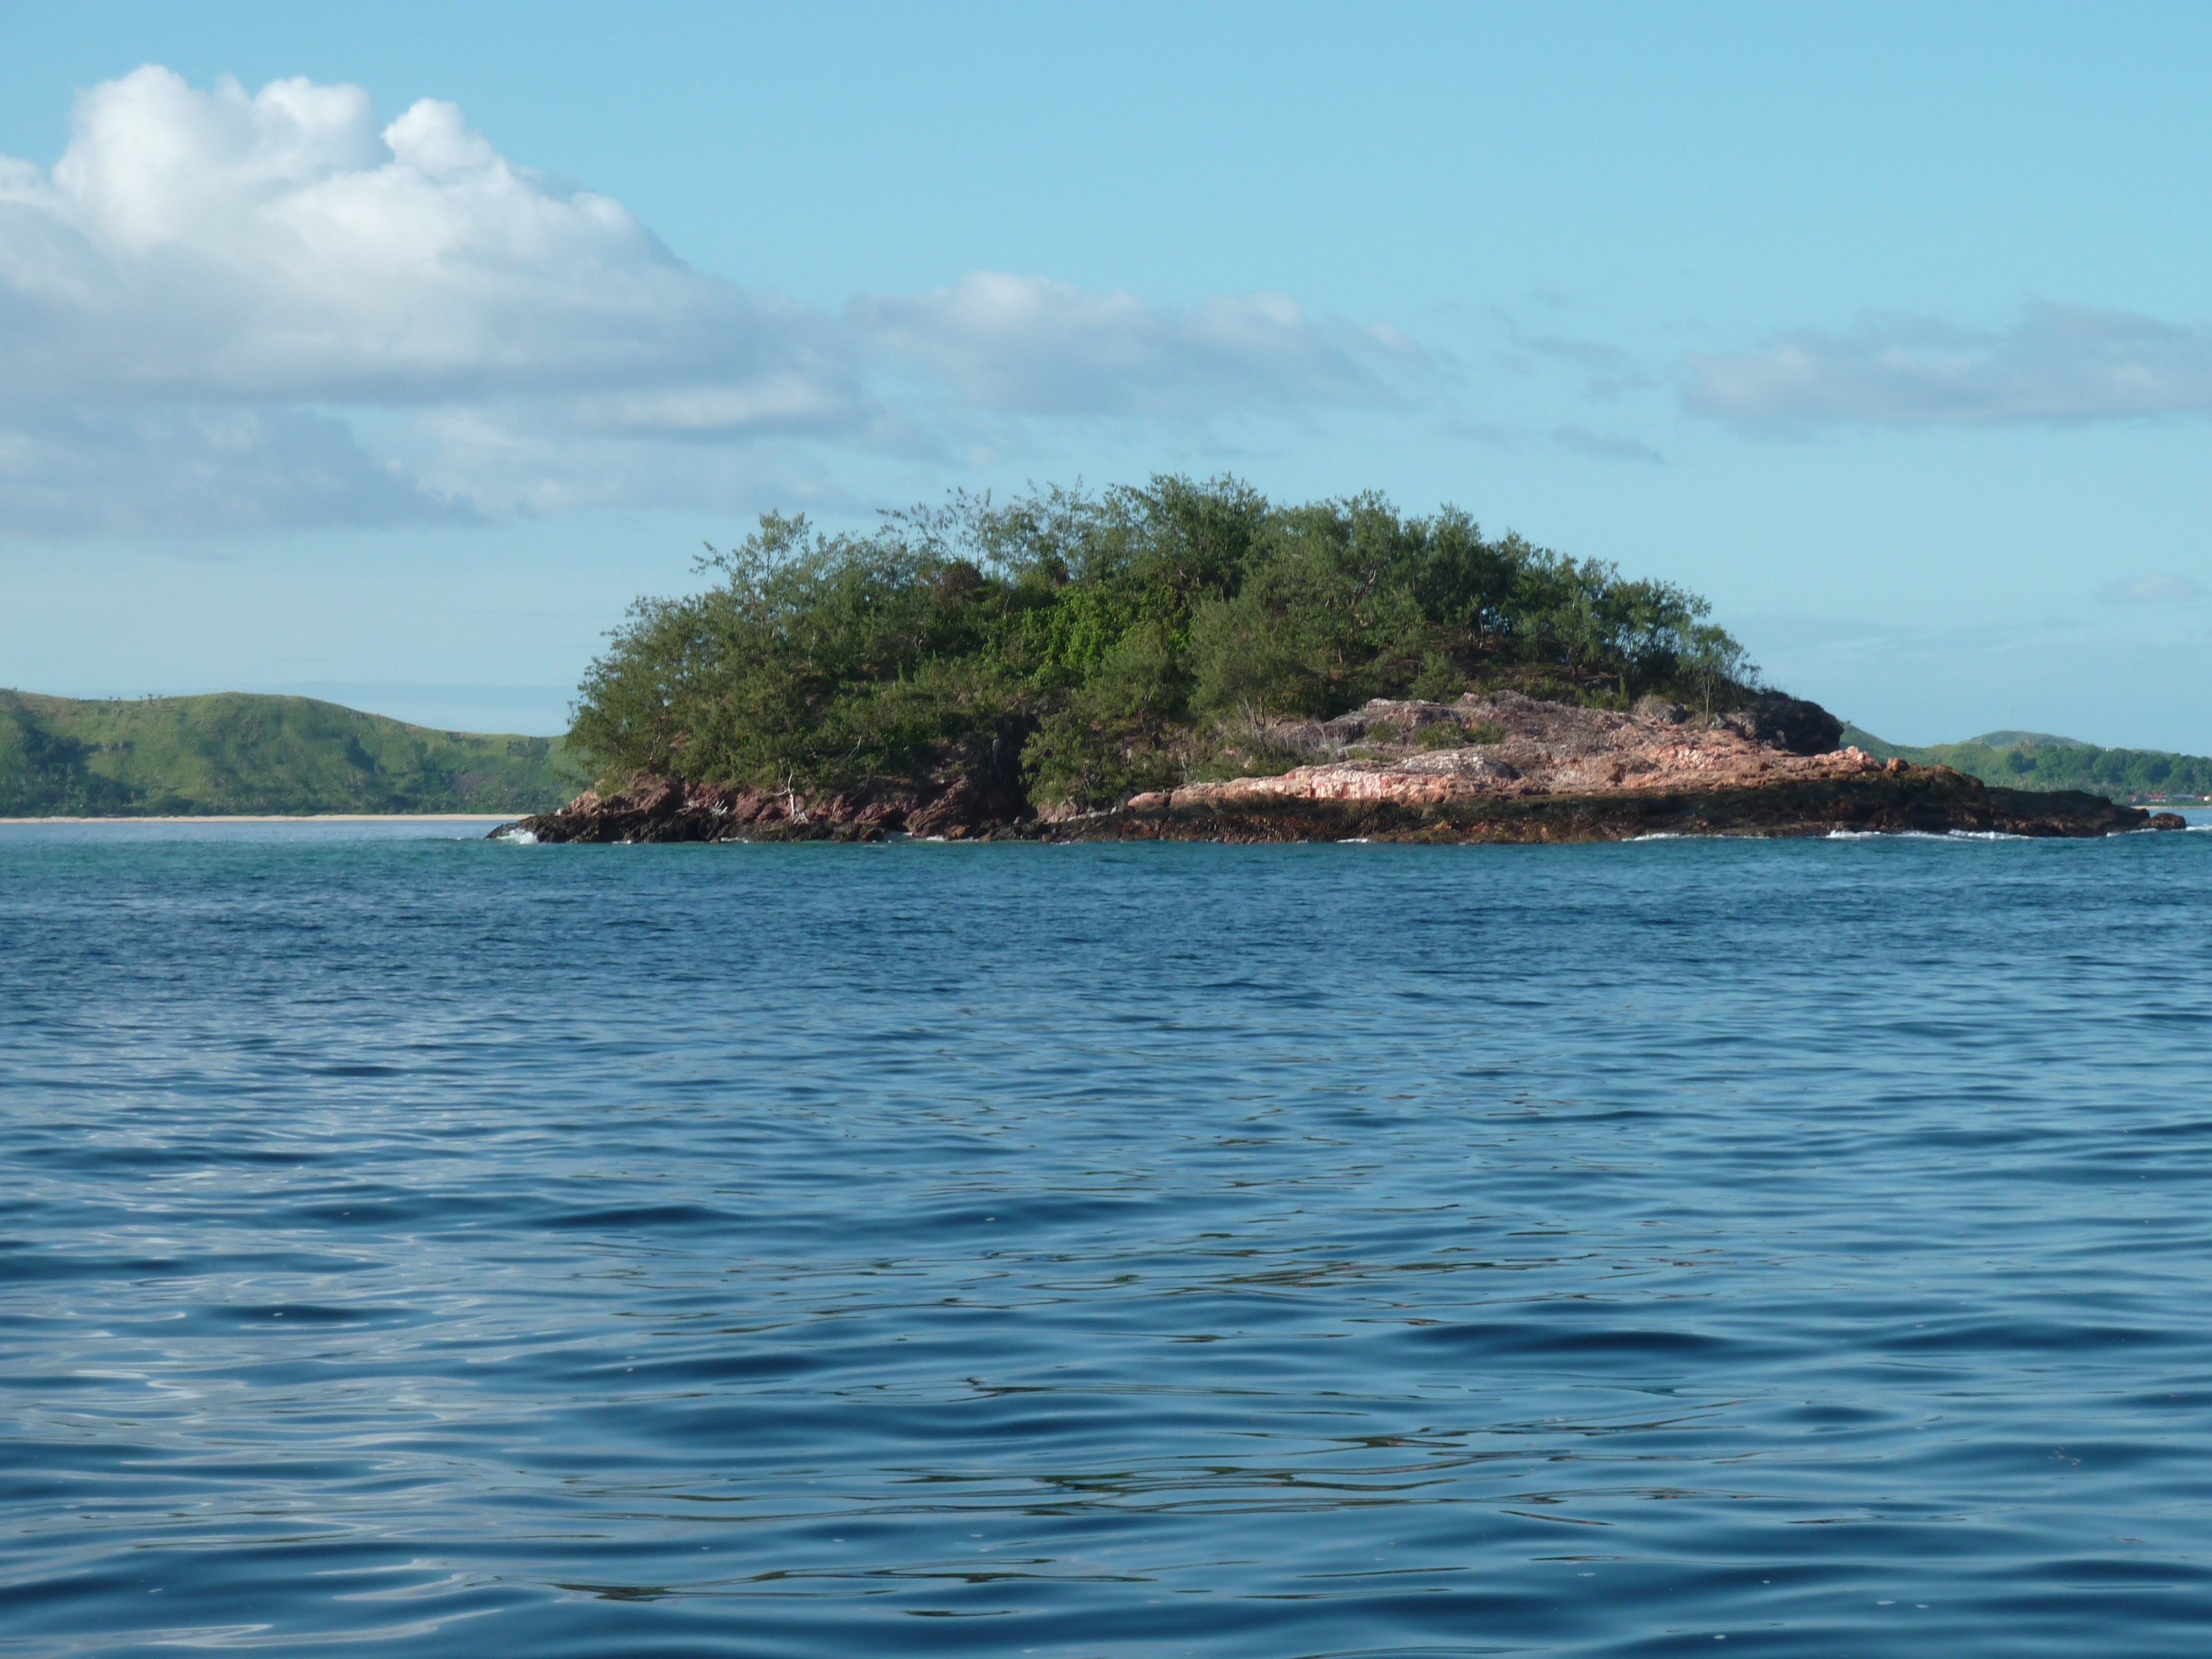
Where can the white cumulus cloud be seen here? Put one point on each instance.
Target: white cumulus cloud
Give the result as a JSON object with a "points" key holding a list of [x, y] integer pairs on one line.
{"points": [[211, 285], [211, 245]]}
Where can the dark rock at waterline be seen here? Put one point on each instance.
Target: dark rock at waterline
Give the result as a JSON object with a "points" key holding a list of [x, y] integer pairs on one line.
{"points": [[1929, 800], [650, 808]]}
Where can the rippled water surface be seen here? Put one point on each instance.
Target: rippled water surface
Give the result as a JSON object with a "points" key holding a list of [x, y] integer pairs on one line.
{"points": [[1324, 1250]]}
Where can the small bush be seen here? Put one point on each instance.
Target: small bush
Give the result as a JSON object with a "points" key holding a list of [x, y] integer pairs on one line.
{"points": [[1250, 758], [1440, 680]]}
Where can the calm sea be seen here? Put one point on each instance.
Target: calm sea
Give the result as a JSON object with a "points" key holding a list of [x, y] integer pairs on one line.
{"points": [[478, 1249]]}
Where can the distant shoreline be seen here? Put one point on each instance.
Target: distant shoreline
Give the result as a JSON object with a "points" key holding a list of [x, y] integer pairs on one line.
{"points": [[284, 817]]}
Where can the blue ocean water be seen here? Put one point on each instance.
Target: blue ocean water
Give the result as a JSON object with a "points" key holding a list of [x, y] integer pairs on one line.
{"points": [[1614, 1250]]}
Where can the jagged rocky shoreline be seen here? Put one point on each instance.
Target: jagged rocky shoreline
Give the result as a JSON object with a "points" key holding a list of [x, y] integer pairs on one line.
{"points": [[1495, 768]]}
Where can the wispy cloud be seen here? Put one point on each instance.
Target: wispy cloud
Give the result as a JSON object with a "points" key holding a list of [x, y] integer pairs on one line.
{"points": [[221, 308], [1607, 370], [124, 471], [2151, 589], [1029, 345], [1606, 445], [2058, 365]]}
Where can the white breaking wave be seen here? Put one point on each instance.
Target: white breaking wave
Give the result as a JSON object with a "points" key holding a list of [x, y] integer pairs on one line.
{"points": [[517, 837], [1922, 834]]}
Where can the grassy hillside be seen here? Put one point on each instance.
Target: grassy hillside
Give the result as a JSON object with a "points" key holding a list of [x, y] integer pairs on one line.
{"points": [[2036, 760], [233, 752]]}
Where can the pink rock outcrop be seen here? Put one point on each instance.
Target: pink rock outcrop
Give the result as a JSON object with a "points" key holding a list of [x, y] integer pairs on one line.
{"points": [[1511, 746]]}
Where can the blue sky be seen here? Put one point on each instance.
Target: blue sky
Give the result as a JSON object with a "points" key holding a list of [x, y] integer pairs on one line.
{"points": [[1886, 330]]}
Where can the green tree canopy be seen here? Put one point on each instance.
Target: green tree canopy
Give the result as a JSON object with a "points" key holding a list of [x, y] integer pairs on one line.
{"points": [[1110, 637]]}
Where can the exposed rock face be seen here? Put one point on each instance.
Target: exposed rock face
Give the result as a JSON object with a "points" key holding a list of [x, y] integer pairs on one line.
{"points": [[1509, 746], [1502, 767], [1508, 768]]}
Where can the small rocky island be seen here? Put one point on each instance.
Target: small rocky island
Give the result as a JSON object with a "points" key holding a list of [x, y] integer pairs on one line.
{"points": [[1188, 660], [1502, 767]]}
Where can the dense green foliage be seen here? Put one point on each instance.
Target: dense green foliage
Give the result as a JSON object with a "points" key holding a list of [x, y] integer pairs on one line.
{"points": [[236, 753], [2035, 760], [1114, 641]]}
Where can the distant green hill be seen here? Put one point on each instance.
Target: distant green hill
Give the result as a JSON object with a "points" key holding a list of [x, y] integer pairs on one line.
{"points": [[2036, 760], [235, 753]]}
